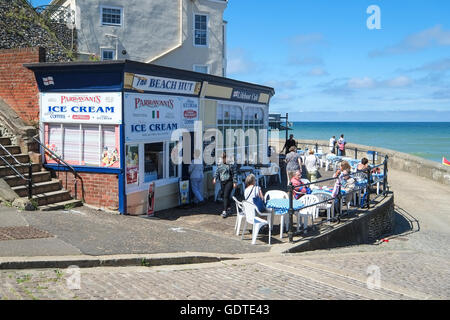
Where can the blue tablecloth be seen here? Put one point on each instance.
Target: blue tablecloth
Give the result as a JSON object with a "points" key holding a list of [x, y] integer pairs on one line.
{"points": [[281, 206], [326, 190]]}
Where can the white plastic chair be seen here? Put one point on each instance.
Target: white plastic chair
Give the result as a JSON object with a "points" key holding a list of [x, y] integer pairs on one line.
{"points": [[278, 194], [312, 211], [239, 215], [322, 196], [251, 212]]}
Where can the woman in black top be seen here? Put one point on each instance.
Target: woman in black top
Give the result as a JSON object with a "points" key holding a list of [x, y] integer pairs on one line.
{"points": [[226, 175]]}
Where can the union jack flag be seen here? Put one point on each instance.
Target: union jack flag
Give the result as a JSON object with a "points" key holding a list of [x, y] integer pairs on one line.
{"points": [[48, 81]]}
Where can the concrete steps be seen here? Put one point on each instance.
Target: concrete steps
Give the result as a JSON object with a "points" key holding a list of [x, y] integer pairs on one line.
{"points": [[47, 193], [38, 188], [39, 176]]}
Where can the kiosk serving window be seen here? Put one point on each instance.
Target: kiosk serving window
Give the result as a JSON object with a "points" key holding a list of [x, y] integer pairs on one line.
{"points": [[80, 144], [154, 161], [83, 128]]}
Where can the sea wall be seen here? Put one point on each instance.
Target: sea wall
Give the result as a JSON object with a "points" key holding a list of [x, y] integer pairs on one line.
{"points": [[373, 225], [397, 160]]}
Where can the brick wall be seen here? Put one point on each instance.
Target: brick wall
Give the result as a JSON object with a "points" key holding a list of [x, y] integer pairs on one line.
{"points": [[100, 190], [18, 86]]}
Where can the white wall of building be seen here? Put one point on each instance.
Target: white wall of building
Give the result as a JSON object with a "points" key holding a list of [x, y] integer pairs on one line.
{"points": [[153, 31]]}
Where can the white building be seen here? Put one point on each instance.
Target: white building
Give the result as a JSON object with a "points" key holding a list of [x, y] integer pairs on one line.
{"points": [[184, 34]]}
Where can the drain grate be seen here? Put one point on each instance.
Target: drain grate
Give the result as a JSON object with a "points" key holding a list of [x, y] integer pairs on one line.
{"points": [[20, 233]]}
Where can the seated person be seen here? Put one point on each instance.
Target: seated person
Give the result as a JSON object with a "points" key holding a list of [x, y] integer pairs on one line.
{"points": [[252, 192], [299, 188], [363, 165], [342, 174]]}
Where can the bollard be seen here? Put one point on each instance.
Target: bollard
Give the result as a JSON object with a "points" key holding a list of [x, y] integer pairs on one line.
{"points": [[291, 213]]}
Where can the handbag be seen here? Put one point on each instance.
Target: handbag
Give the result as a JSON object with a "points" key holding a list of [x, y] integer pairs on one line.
{"points": [[258, 202]]}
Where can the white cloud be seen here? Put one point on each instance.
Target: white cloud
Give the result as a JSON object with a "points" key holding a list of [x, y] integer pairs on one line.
{"points": [[239, 62], [435, 36], [401, 81], [361, 83], [317, 72]]}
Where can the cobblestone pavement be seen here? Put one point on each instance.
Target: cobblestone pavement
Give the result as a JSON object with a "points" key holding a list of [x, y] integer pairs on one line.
{"points": [[337, 274], [413, 263]]}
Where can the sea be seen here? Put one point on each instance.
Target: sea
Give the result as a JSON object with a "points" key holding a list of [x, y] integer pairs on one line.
{"points": [[429, 140]]}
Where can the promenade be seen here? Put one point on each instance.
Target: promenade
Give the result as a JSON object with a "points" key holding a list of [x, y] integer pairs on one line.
{"points": [[413, 263]]}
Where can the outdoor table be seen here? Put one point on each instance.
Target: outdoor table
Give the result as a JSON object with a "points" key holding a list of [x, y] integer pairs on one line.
{"points": [[281, 207]]}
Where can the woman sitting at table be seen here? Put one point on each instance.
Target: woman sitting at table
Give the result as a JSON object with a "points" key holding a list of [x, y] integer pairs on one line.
{"points": [[364, 165], [342, 174], [299, 188], [252, 191]]}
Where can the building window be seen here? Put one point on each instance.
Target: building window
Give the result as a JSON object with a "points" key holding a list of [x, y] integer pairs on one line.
{"points": [[201, 30], [107, 54], [111, 16], [248, 118], [201, 68]]}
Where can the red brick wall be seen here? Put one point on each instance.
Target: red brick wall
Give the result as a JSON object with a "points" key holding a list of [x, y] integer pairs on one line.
{"points": [[100, 190], [18, 86]]}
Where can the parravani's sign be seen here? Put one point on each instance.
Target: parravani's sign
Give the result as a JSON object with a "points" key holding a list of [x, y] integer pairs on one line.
{"points": [[98, 108], [143, 83]]}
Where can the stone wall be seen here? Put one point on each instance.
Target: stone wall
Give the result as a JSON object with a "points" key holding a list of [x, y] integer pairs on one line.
{"points": [[377, 222], [22, 27]]}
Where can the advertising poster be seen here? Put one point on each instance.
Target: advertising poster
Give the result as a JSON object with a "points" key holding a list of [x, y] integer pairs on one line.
{"points": [[132, 164], [184, 192], [151, 199]]}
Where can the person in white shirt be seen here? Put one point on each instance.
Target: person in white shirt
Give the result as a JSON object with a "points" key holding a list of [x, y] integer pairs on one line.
{"points": [[332, 144], [312, 164], [196, 177]]}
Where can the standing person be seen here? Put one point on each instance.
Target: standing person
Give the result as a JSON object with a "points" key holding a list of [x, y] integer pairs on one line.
{"points": [[294, 163], [332, 144], [289, 143], [226, 175], [341, 145], [196, 177], [312, 165]]}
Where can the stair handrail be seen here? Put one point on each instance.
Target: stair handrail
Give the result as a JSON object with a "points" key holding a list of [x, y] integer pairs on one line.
{"points": [[69, 167], [30, 174], [12, 156]]}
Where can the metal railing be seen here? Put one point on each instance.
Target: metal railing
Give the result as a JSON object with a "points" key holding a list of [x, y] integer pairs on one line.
{"points": [[367, 201], [67, 166], [30, 170]]}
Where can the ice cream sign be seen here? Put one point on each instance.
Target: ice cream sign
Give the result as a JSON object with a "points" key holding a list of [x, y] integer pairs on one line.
{"points": [[103, 108]]}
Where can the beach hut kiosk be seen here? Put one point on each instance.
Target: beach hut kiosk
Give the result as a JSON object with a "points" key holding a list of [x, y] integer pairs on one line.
{"points": [[113, 121]]}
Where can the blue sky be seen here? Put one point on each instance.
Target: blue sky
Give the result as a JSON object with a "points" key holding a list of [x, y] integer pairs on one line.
{"points": [[323, 60]]}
